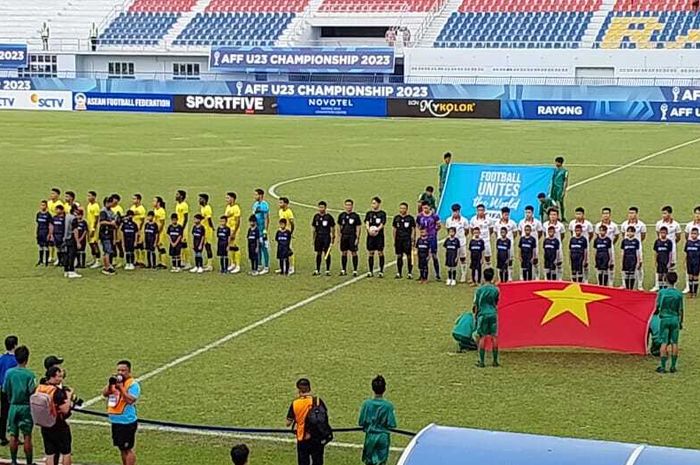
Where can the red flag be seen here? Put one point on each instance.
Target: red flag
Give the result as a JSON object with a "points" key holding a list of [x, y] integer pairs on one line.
{"points": [[563, 314]]}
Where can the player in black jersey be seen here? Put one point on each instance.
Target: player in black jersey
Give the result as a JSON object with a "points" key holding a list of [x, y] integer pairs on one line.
{"points": [[324, 236], [663, 246], [692, 261], [528, 253], [350, 225], [404, 226], [44, 225], [631, 257], [551, 246], [375, 221], [504, 261], [578, 254], [603, 256]]}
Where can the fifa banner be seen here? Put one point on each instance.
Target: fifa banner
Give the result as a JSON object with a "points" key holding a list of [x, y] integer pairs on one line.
{"points": [[495, 186], [302, 59], [44, 100], [97, 101], [13, 56], [225, 104], [561, 314]]}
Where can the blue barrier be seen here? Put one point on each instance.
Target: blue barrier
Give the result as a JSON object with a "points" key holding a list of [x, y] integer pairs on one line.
{"points": [[96, 101], [331, 106]]}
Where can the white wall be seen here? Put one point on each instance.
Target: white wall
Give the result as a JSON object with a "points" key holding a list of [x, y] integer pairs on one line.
{"points": [[158, 65]]}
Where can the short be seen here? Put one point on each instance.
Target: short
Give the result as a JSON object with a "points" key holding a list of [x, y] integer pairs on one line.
{"points": [[402, 246], [693, 268], [348, 243], [253, 250], [487, 325], [58, 242], [42, 240], [662, 267], [19, 420], [222, 249], [150, 246], [57, 440], [451, 261], [124, 436], [670, 330], [322, 243], [107, 246], [602, 263], [577, 263], [475, 263], [376, 243], [502, 262], [175, 251], [433, 244], [284, 252], [129, 244]]}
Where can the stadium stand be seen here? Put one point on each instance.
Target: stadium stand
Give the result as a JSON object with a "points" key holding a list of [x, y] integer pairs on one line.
{"points": [[518, 24], [646, 24], [377, 6]]}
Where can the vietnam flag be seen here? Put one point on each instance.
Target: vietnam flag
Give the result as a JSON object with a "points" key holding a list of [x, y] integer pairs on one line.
{"points": [[563, 314]]}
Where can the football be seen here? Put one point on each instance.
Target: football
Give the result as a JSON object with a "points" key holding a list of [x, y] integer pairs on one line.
{"points": [[373, 230]]}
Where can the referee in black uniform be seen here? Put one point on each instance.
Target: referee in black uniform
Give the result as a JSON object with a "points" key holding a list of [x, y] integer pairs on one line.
{"points": [[324, 236]]}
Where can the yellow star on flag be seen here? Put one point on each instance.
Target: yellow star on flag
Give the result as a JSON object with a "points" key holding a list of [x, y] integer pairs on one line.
{"points": [[571, 299]]}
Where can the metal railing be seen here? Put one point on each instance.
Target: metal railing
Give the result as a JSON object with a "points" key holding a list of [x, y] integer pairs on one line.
{"points": [[434, 12], [553, 81]]}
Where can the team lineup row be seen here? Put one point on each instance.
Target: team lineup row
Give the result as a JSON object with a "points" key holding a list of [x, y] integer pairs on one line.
{"points": [[136, 237]]}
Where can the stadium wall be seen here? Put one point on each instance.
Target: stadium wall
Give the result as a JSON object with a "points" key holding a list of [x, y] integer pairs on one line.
{"points": [[580, 103]]}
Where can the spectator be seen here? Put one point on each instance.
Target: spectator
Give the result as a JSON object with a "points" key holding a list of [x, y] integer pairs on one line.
{"points": [[7, 361], [93, 37], [19, 385], [45, 36], [239, 454], [309, 448], [390, 36], [57, 438], [122, 392], [376, 419], [696, 5]]}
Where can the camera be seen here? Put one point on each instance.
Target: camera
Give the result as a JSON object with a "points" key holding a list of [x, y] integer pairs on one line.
{"points": [[116, 379]]}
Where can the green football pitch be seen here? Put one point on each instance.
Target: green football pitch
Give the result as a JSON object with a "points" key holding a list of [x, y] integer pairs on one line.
{"points": [[226, 350]]}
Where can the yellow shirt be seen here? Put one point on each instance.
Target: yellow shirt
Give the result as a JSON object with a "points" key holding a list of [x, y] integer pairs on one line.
{"points": [[52, 204], [118, 210], [92, 215], [182, 209], [139, 214], [206, 213], [160, 219], [233, 213], [288, 215]]}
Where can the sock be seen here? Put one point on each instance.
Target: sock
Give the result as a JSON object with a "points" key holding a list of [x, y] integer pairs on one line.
{"points": [[601, 278], [344, 262], [328, 263], [399, 264], [222, 264], [436, 266], [13, 456], [584, 278], [482, 356], [355, 262], [409, 260], [381, 263], [640, 277], [664, 360], [510, 273], [41, 255], [281, 262], [495, 355], [318, 261], [370, 262], [30, 458], [674, 360], [693, 286]]}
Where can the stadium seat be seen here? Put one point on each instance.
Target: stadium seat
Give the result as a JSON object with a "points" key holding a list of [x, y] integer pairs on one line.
{"points": [[376, 6], [138, 28]]}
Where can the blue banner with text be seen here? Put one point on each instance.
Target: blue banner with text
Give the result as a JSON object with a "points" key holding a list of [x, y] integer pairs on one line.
{"points": [[331, 106], [13, 56], [494, 186], [122, 102]]}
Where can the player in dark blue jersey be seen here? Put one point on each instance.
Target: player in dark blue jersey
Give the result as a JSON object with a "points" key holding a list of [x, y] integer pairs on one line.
{"points": [[631, 257], [663, 247], [692, 261], [130, 237], [527, 244], [603, 256], [151, 235], [503, 259], [551, 246], [44, 224], [477, 246], [223, 237], [283, 237], [253, 238], [199, 239], [82, 237], [423, 251], [58, 230], [175, 237], [452, 246], [578, 254]]}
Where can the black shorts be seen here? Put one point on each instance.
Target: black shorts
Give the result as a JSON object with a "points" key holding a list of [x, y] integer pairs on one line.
{"points": [[348, 243], [57, 440], [151, 247], [129, 244], [222, 249], [402, 246], [693, 268], [602, 263], [322, 243], [376, 243], [577, 263], [175, 251], [284, 252], [124, 436], [42, 240], [662, 267]]}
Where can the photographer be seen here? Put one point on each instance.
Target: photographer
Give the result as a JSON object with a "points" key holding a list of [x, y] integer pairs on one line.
{"points": [[57, 438], [122, 392]]}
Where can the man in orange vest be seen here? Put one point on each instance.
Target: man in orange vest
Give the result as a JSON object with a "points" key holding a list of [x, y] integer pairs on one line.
{"points": [[309, 448], [122, 392]]}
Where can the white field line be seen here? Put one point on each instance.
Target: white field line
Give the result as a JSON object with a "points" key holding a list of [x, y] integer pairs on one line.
{"points": [[222, 434], [655, 167], [333, 289]]}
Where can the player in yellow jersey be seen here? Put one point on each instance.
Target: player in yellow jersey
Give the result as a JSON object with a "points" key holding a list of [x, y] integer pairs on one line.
{"points": [[53, 202], [182, 209], [287, 213], [118, 211], [92, 216], [207, 213], [69, 202], [233, 221], [138, 218], [160, 217]]}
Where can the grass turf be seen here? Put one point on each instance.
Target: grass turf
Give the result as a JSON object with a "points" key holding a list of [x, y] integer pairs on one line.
{"points": [[342, 340]]}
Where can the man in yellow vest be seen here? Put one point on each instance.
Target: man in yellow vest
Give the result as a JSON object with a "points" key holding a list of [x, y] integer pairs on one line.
{"points": [[122, 392]]}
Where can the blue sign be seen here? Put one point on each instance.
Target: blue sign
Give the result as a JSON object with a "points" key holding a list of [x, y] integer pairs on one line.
{"points": [[557, 110], [290, 89], [13, 56], [331, 106], [681, 112], [94, 101], [495, 186], [303, 59], [16, 84]]}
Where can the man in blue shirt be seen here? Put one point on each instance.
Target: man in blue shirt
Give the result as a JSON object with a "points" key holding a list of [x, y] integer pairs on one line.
{"points": [[122, 392], [7, 361], [261, 210]]}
